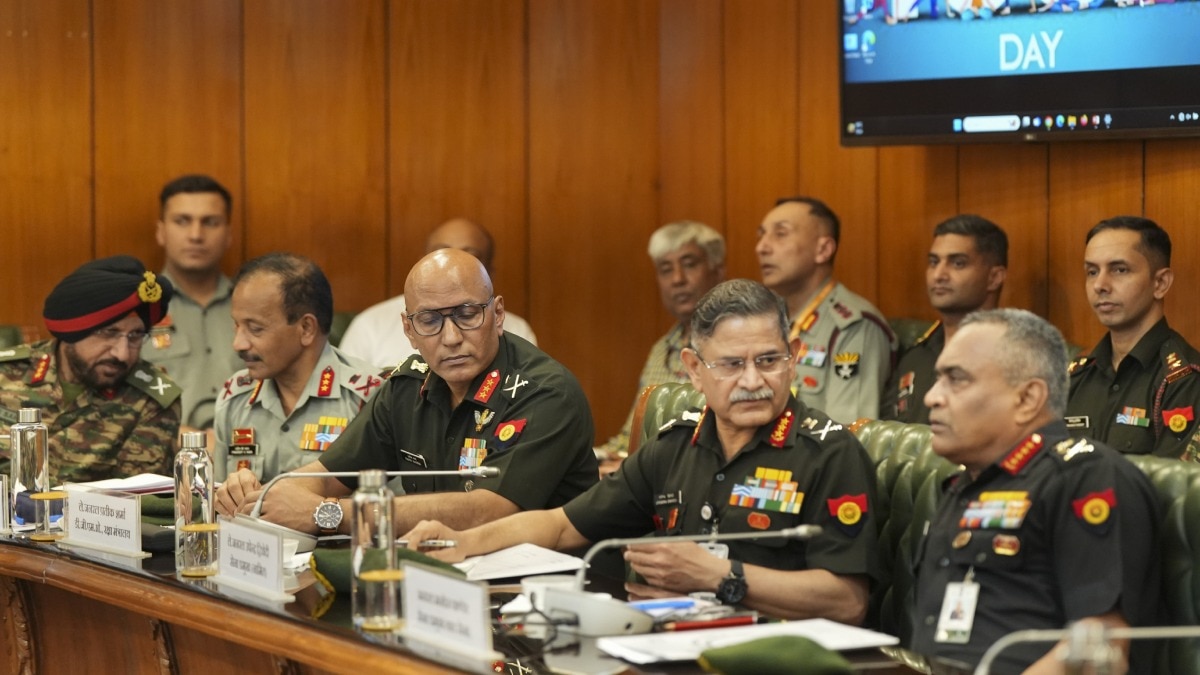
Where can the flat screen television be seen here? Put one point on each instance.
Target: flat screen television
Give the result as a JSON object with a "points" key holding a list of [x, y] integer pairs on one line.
{"points": [[964, 71]]}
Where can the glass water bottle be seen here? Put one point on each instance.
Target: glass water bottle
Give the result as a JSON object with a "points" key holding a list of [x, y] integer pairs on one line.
{"points": [[196, 535], [375, 579], [29, 480]]}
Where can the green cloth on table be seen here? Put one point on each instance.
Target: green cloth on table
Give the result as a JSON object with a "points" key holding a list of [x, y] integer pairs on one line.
{"points": [[776, 655], [334, 565]]}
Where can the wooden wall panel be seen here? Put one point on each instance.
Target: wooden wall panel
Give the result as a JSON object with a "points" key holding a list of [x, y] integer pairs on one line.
{"points": [[1088, 183], [168, 102], [315, 138], [592, 191], [761, 109], [844, 178], [1172, 177], [1007, 184], [457, 129], [45, 150], [918, 188], [691, 113]]}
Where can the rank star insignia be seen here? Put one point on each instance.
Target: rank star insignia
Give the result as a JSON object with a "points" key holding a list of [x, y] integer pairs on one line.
{"points": [[846, 364], [517, 384], [488, 387], [325, 388]]}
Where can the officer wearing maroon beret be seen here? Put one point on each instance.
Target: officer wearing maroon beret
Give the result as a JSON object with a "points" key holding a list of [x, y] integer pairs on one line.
{"points": [[110, 413]]}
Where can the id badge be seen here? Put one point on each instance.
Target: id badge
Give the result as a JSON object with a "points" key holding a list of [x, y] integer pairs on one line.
{"points": [[715, 549], [958, 611]]}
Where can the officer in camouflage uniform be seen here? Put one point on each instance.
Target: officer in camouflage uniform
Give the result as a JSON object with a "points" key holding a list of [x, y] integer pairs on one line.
{"points": [[110, 413]]}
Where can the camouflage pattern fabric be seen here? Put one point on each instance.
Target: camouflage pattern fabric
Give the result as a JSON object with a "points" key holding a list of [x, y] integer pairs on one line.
{"points": [[115, 433]]}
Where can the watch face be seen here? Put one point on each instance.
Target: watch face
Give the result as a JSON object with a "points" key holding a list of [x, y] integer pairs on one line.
{"points": [[328, 515], [732, 590]]}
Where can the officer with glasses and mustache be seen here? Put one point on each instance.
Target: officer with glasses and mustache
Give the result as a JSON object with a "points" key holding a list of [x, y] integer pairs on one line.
{"points": [[753, 459], [474, 395], [111, 414]]}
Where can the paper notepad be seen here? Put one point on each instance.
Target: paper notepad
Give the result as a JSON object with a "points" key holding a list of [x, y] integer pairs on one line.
{"points": [[143, 484], [687, 645], [522, 560]]}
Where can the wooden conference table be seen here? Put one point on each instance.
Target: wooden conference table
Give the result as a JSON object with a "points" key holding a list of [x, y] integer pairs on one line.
{"points": [[63, 612]]}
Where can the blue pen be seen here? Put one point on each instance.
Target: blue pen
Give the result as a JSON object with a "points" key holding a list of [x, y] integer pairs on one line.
{"points": [[674, 603]]}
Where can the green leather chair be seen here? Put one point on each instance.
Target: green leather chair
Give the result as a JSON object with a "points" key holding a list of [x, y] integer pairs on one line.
{"points": [[10, 335], [908, 476], [341, 321]]}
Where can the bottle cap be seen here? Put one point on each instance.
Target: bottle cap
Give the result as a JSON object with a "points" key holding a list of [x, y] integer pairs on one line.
{"points": [[30, 415], [194, 440]]}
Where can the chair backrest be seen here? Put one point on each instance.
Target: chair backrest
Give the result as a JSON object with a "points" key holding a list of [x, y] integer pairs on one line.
{"points": [[909, 474], [341, 321]]}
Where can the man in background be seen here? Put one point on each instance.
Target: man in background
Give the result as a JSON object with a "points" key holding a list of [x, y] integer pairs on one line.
{"points": [[297, 392], [377, 334], [1138, 389], [846, 347], [110, 413], [194, 342], [968, 263], [689, 259]]}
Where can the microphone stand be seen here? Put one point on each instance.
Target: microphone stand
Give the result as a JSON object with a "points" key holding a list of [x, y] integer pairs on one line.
{"points": [[477, 472], [1055, 635]]}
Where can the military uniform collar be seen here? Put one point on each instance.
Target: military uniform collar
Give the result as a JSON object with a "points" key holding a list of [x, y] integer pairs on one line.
{"points": [[934, 337], [1030, 447], [224, 288], [1145, 352], [778, 433], [484, 390], [268, 395], [674, 338]]}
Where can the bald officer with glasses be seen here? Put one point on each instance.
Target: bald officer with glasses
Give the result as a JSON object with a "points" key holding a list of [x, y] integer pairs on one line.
{"points": [[111, 414], [473, 396], [755, 459]]}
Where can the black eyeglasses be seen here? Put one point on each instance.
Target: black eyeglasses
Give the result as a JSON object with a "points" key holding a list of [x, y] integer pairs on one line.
{"points": [[767, 364], [467, 316]]}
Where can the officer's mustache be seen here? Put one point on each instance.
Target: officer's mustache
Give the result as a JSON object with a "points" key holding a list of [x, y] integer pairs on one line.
{"points": [[248, 357], [762, 394], [115, 363]]}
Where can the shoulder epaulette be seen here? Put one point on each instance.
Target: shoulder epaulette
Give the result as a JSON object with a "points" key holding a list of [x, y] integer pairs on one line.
{"points": [[687, 419], [148, 379], [413, 366], [1079, 364], [844, 315], [928, 333], [1177, 367], [18, 353]]}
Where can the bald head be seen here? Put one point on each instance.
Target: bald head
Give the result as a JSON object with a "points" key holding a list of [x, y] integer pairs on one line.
{"points": [[455, 284], [464, 235]]}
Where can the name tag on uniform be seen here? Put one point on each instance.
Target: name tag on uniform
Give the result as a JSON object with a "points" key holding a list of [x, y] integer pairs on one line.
{"points": [[1077, 421], [413, 458]]}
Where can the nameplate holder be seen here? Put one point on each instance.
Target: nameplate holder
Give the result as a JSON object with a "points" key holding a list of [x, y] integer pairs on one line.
{"points": [[109, 521], [446, 618], [251, 559]]}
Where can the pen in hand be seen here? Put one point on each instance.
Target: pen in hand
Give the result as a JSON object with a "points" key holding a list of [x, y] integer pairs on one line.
{"points": [[430, 543]]}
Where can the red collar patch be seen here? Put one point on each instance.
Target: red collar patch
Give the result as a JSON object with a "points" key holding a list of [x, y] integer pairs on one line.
{"points": [[488, 387], [1016, 460], [699, 423], [326, 387], [254, 394], [39, 371], [783, 424]]}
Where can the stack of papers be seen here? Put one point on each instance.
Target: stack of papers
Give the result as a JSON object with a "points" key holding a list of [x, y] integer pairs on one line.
{"points": [[687, 645], [141, 484], [522, 560]]}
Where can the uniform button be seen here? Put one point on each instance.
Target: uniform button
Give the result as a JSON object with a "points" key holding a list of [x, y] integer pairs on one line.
{"points": [[720, 477], [930, 620], [208, 350], [980, 557], [1116, 387], [449, 439], [285, 427], [944, 562]]}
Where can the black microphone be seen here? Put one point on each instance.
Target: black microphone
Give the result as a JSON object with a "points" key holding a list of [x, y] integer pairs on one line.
{"points": [[598, 614]]}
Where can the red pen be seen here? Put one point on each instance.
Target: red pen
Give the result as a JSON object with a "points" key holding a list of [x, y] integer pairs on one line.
{"points": [[723, 622]]}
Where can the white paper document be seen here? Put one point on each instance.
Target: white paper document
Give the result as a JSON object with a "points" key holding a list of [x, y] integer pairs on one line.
{"points": [[521, 560], [687, 645], [142, 484]]}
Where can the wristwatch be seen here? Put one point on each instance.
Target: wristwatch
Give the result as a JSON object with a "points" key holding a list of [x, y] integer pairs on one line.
{"points": [[328, 515], [732, 588]]}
